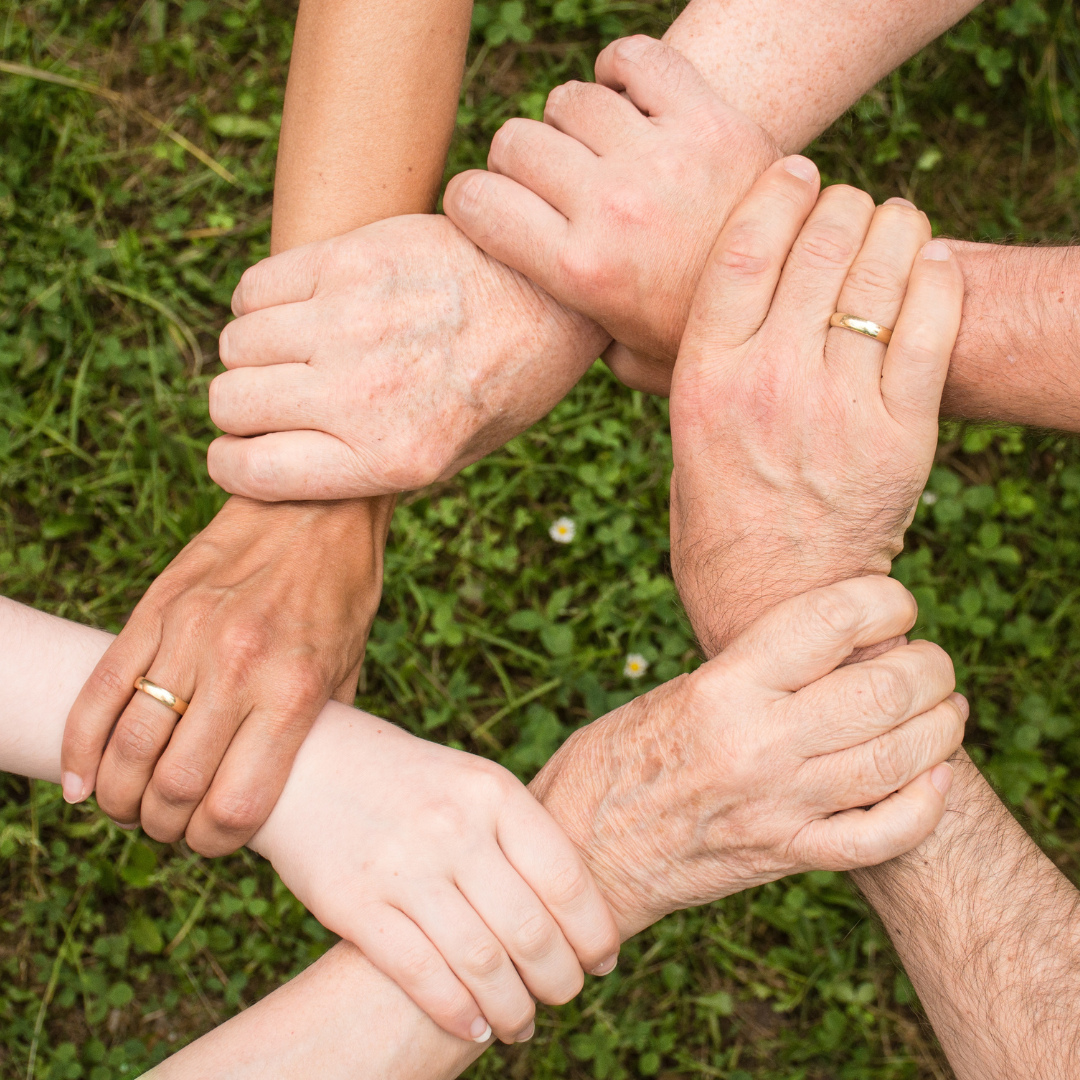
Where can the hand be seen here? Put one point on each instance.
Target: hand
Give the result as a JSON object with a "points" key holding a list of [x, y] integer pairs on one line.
{"points": [[800, 451], [384, 360], [613, 203], [761, 763], [257, 622], [443, 870]]}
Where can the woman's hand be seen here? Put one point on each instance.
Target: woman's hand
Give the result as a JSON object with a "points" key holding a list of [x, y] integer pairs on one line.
{"points": [[800, 450], [443, 869], [763, 761], [258, 622]]}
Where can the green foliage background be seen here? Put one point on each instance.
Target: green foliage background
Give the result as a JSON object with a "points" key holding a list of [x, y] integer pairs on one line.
{"points": [[118, 253]]}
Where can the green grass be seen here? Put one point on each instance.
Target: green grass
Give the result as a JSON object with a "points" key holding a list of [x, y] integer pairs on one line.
{"points": [[118, 248]]}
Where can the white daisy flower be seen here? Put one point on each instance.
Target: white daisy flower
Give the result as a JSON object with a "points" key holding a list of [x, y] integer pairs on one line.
{"points": [[929, 498], [636, 666], [563, 530]]}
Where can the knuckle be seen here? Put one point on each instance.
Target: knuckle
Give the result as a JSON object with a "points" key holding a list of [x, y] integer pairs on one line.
{"points": [[136, 740], [833, 611], [626, 206], [824, 247], [483, 958], [107, 686], [179, 784], [567, 883], [891, 760], [234, 812], [239, 644], [535, 936], [420, 964], [870, 275], [888, 689], [745, 254]]}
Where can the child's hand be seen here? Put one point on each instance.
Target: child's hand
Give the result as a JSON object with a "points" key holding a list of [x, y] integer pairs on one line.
{"points": [[443, 870], [613, 203]]}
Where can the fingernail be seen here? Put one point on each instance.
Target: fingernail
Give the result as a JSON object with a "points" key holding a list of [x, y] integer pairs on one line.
{"points": [[801, 167], [73, 786], [941, 777], [936, 251], [126, 828], [961, 703], [526, 1033], [605, 966], [480, 1030], [897, 201]]}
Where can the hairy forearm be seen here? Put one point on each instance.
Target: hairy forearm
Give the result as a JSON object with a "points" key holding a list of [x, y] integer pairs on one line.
{"points": [[369, 111], [1018, 354], [794, 67], [988, 930], [341, 1018]]}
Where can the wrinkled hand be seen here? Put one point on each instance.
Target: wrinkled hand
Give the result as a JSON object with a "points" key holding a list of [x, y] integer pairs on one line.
{"points": [[383, 360], [443, 869], [761, 763], [613, 203], [800, 451], [257, 623]]}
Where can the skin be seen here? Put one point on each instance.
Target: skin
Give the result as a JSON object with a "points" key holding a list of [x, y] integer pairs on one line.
{"points": [[987, 928], [453, 422], [786, 753], [228, 625]]}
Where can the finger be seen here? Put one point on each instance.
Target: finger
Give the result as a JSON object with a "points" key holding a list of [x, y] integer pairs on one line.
{"points": [[289, 277], [657, 78], [477, 958], [402, 952], [736, 288], [285, 334], [818, 265], [649, 374], [547, 162], [800, 640], [874, 289], [256, 400], [297, 465], [141, 735], [248, 775], [917, 362], [894, 826], [553, 868], [596, 116], [102, 699], [511, 223], [859, 702], [865, 774], [544, 959]]}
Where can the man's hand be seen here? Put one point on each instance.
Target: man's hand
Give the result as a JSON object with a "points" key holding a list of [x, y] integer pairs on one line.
{"points": [[257, 623], [761, 763], [384, 360], [800, 450], [613, 203], [443, 869]]}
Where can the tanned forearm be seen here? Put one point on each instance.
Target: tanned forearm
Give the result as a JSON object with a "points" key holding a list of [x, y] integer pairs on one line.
{"points": [[989, 933], [369, 111]]}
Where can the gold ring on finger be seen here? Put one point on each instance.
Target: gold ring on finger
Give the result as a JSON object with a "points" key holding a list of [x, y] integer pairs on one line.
{"points": [[159, 693], [861, 326]]}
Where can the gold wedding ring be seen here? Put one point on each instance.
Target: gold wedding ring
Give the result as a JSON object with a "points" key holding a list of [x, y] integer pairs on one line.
{"points": [[159, 693], [861, 326]]}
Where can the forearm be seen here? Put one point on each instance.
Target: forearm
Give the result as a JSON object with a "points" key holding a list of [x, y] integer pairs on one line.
{"points": [[369, 111], [341, 1018], [988, 930], [794, 67]]}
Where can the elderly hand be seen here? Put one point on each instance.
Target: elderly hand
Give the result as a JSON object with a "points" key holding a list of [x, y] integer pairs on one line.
{"points": [[383, 360], [800, 450], [443, 869], [257, 623], [613, 203], [763, 761]]}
